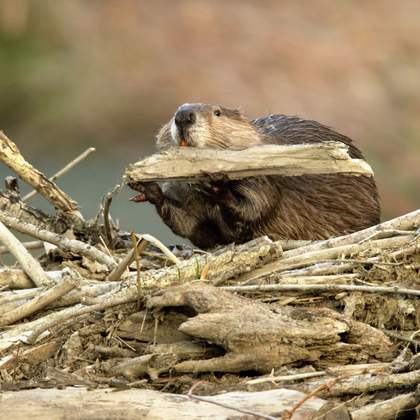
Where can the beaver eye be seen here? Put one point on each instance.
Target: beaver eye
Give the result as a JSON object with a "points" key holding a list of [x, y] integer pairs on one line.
{"points": [[217, 113]]}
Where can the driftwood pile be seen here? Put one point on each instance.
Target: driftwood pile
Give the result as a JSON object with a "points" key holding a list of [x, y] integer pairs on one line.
{"points": [[265, 324]]}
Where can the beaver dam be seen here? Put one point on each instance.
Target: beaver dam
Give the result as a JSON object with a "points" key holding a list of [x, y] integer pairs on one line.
{"points": [[272, 329]]}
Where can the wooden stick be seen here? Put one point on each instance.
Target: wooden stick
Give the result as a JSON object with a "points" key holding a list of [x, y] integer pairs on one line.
{"points": [[130, 257], [136, 253], [63, 243], [27, 245], [286, 377], [321, 251], [162, 247], [230, 406], [62, 171], [8, 297], [11, 156], [184, 164], [321, 288], [31, 266], [76, 312], [67, 284]]}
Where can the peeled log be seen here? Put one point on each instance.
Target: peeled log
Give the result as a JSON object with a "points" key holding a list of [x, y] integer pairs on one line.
{"points": [[184, 164]]}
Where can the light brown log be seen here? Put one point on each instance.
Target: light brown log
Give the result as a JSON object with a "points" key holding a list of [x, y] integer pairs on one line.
{"points": [[288, 160], [81, 404]]}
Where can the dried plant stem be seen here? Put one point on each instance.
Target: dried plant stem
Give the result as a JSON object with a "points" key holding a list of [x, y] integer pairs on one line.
{"points": [[63, 171]]}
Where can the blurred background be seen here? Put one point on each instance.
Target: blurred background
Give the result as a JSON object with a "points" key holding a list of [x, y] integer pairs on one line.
{"points": [[108, 74]]}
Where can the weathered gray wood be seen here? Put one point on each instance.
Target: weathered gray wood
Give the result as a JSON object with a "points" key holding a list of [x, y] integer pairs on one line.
{"points": [[258, 338], [185, 163], [79, 403]]}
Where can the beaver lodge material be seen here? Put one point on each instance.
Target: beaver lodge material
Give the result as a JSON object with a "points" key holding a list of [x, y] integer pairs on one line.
{"points": [[261, 326]]}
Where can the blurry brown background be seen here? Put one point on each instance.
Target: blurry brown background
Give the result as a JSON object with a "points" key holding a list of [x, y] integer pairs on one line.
{"points": [[108, 74]]}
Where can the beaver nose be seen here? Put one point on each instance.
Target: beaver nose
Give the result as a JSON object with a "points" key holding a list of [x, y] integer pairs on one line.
{"points": [[185, 116]]}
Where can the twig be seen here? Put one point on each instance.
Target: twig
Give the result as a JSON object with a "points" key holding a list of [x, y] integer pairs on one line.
{"points": [[76, 312], [359, 384], [286, 378], [232, 407], [63, 171], [107, 218], [67, 284], [400, 337], [297, 258], [60, 241], [119, 270], [162, 247], [9, 297], [288, 414], [11, 156], [136, 252], [31, 267], [27, 245], [321, 288]]}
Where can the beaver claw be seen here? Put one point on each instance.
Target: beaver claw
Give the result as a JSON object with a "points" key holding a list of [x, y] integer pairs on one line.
{"points": [[216, 189], [150, 191]]}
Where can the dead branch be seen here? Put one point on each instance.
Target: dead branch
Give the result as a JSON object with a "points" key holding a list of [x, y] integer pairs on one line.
{"points": [[75, 312], [15, 278], [11, 205], [184, 164], [69, 283], [357, 385], [68, 403], [388, 410], [321, 288], [314, 253], [67, 245], [63, 171], [31, 266], [128, 260], [257, 338], [223, 404], [272, 378], [14, 160], [27, 245], [9, 297]]}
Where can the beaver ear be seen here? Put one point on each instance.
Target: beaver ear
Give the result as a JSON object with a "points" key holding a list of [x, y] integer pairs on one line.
{"points": [[239, 111]]}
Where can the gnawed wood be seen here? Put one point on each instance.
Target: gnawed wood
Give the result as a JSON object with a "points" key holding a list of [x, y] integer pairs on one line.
{"points": [[11, 157], [184, 164], [79, 403], [257, 338]]}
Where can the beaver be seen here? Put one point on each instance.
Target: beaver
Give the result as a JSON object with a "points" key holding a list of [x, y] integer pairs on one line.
{"points": [[221, 211]]}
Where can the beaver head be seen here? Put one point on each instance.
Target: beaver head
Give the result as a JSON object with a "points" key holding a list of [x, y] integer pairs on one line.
{"points": [[212, 126]]}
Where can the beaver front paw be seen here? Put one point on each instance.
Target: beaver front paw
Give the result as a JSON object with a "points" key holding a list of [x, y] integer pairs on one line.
{"points": [[150, 191], [216, 189]]}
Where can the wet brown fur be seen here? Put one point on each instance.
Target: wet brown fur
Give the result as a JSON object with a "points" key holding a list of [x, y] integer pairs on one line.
{"points": [[310, 207]]}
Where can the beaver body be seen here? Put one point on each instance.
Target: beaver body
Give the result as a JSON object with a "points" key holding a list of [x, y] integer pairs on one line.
{"points": [[308, 207]]}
